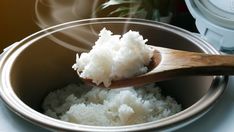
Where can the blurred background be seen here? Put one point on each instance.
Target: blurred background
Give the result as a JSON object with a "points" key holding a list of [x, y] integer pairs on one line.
{"points": [[22, 18], [16, 21]]}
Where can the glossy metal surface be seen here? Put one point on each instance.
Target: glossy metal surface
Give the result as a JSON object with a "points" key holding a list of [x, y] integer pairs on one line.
{"points": [[37, 65]]}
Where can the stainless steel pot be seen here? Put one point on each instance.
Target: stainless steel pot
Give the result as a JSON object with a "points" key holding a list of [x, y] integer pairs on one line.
{"points": [[42, 63]]}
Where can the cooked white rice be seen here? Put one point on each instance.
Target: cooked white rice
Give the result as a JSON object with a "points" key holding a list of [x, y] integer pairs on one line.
{"points": [[105, 107], [114, 57]]}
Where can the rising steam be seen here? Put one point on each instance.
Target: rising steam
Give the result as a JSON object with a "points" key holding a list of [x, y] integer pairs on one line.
{"points": [[52, 12]]}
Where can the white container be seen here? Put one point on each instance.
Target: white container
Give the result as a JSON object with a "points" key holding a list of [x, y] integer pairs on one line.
{"points": [[215, 22]]}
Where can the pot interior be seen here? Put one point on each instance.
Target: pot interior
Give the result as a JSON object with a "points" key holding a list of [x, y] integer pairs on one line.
{"points": [[46, 65]]}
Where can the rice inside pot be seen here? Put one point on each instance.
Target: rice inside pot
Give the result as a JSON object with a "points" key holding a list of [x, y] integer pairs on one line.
{"points": [[104, 107]]}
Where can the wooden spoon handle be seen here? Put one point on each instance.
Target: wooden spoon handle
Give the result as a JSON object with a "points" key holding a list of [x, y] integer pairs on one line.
{"points": [[191, 63]]}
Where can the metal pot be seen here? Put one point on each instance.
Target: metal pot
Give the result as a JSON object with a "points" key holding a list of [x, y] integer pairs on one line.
{"points": [[42, 63]]}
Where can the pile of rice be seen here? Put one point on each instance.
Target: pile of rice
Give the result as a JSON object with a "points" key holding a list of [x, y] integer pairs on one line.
{"points": [[114, 57], [105, 107]]}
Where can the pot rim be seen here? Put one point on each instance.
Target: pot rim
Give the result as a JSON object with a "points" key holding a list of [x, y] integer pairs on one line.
{"points": [[172, 122]]}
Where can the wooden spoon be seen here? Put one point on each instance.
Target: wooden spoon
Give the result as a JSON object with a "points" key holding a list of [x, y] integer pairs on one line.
{"points": [[169, 63]]}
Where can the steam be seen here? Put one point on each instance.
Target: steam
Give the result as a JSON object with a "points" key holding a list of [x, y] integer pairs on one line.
{"points": [[52, 12], [131, 15]]}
